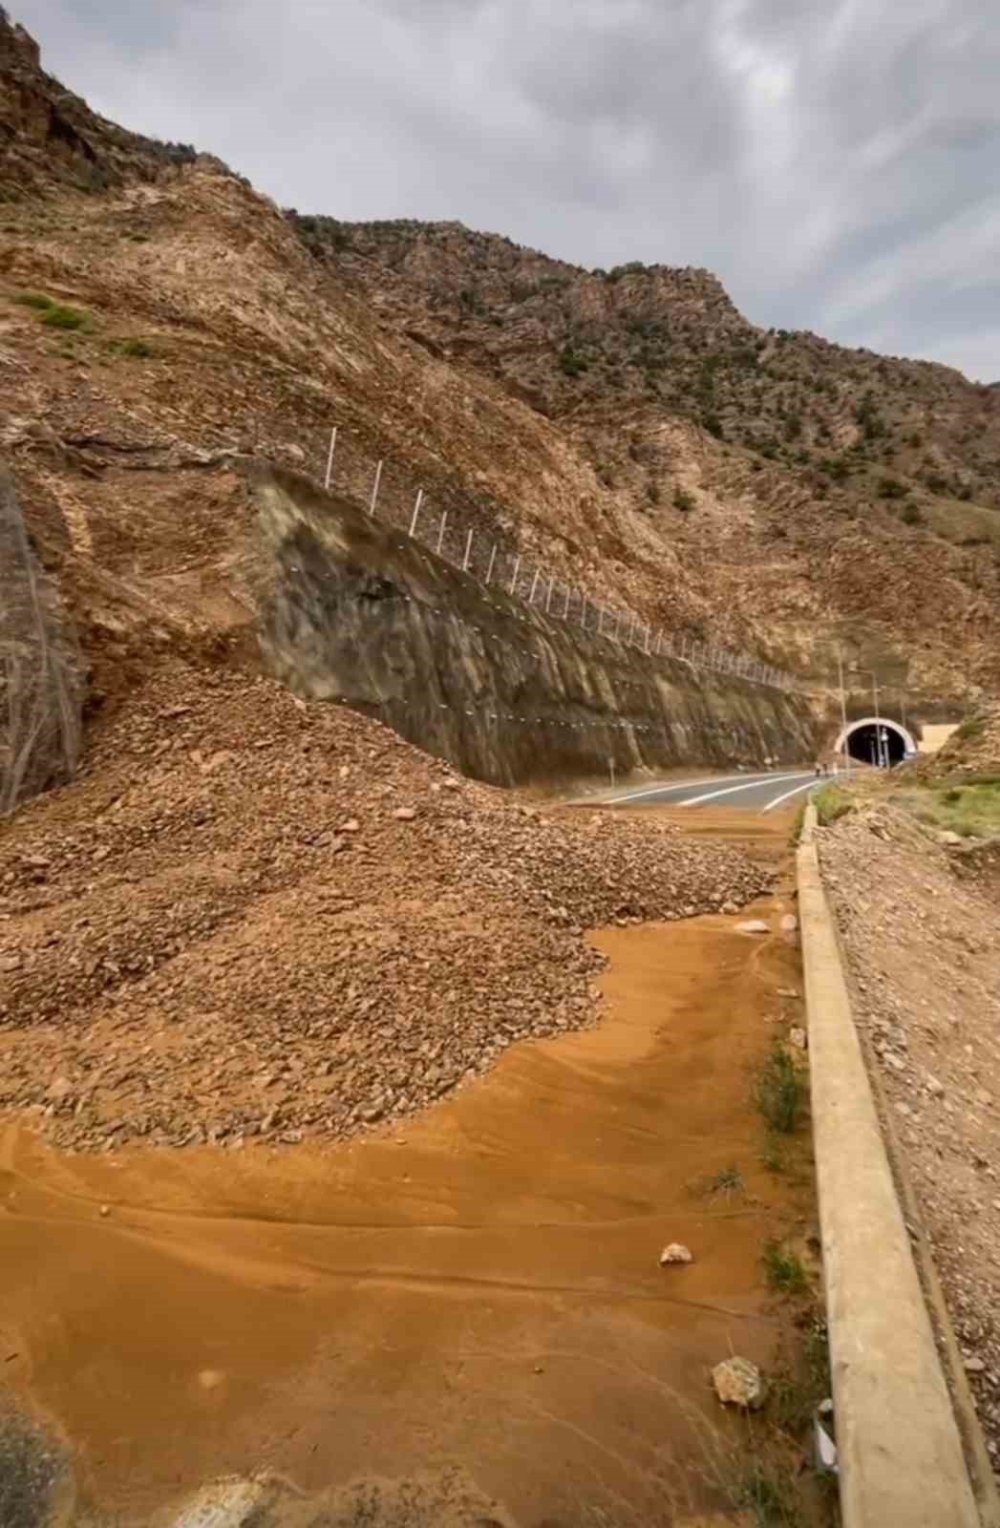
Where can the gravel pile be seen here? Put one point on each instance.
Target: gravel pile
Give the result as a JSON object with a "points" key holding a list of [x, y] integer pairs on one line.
{"points": [[258, 917]]}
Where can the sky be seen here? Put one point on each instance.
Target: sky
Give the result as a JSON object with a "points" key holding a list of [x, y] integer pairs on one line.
{"points": [[835, 162]]}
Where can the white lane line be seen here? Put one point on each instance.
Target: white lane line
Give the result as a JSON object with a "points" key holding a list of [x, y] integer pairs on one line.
{"points": [[731, 790], [684, 785], [793, 792]]}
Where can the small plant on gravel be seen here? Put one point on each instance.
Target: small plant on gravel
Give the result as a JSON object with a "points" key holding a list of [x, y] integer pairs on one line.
{"points": [[56, 316], [766, 1490], [684, 501], [831, 802], [727, 1181], [779, 1091], [783, 1270]]}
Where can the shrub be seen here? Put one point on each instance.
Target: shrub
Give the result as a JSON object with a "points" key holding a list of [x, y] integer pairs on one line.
{"points": [[910, 515], [684, 501], [58, 317], [892, 488], [37, 300], [831, 803], [142, 349], [779, 1092], [570, 363], [783, 1270]]}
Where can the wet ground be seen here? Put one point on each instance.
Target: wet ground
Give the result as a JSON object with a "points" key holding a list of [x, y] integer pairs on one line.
{"points": [[472, 1302]]}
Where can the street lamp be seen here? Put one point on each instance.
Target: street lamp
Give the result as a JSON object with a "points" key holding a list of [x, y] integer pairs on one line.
{"points": [[881, 759]]}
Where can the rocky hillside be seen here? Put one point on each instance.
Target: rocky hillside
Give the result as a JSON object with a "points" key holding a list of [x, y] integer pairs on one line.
{"points": [[631, 431], [570, 339]]}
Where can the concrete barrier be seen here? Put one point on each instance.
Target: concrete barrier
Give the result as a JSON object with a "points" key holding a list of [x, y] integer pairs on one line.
{"points": [[899, 1450]]}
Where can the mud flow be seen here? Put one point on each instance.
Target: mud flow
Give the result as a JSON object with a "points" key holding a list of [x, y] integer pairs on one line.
{"points": [[463, 1319]]}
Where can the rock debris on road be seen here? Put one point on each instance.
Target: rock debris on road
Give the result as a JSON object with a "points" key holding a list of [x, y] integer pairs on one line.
{"points": [[258, 918]]}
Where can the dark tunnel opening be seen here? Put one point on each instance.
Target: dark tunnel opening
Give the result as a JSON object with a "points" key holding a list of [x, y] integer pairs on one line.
{"points": [[863, 744]]}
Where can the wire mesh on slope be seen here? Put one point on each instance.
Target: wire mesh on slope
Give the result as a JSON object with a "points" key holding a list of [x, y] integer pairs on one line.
{"points": [[39, 669]]}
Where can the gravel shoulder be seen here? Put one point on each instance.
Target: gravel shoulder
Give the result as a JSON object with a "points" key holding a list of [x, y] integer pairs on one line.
{"points": [[919, 922], [257, 917]]}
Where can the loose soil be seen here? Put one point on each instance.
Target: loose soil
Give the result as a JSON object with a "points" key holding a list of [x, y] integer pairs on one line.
{"points": [[918, 918], [255, 917], [470, 1301]]}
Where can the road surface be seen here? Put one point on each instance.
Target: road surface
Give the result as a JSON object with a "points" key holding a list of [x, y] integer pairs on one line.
{"points": [[763, 792]]}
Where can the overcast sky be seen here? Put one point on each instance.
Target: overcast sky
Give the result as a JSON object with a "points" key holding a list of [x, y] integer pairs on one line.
{"points": [[835, 162]]}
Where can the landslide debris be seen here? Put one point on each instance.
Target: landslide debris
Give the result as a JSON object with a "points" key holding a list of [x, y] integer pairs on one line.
{"points": [[257, 917]]}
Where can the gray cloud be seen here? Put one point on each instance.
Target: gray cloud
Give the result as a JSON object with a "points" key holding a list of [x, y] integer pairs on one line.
{"points": [[834, 161]]}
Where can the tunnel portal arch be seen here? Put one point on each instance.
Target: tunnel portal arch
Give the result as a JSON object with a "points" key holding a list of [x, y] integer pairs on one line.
{"points": [[861, 740]]}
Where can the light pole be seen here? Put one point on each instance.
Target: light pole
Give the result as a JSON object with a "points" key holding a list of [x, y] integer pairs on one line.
{"points": [[881, 759], [843, 705]]}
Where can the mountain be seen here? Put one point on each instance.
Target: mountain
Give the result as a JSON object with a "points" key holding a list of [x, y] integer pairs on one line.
{"points": [[629, 429]]}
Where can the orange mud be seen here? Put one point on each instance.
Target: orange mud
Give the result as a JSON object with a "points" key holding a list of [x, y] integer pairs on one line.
{"points": [[478, 1288]]}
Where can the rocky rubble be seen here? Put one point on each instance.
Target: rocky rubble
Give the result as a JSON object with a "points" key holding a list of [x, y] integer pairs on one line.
{"points": [[254, 917], [924, 951]]}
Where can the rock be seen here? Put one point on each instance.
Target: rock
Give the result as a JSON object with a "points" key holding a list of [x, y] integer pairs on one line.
{"points": [[934, 1087], [789, 923], [738, 1382], [798, 1038], [404, 814], [753, 926], [676, 1252], [10, 963], [730, 907], [105, 1210], [59, 1088], [974, 1366], [451, 784], [352, 825], [788, 992], [950, 839]]}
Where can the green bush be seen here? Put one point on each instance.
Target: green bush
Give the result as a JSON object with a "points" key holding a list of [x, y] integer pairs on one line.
{"points": [[684, 501], [58, 317], [37, 300], [892, 488], [571, 364]]}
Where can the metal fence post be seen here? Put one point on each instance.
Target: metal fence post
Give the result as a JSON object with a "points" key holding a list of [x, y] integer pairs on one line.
{"points": [[329, 458], [534, 586], [416, 510], [440, 540], [493, 558], [375, 488], [548, 597], [468, 552], [517, 569]]}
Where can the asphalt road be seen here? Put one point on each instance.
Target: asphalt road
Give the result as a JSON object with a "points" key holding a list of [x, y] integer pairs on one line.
{"points": [[764, 792]]}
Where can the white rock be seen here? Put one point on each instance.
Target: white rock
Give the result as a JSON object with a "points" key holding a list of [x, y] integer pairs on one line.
{"points": [[676, 1252], [738, 1382], [404, 814], [798, 1038], [753, 926], [934, 1087], [789, 923]]}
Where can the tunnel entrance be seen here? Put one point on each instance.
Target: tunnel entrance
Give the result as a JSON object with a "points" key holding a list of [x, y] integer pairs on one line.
{"points": [[876, 741]]}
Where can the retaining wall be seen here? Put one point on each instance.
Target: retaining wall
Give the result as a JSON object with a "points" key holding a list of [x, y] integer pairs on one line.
{"points": [[352, 610]]}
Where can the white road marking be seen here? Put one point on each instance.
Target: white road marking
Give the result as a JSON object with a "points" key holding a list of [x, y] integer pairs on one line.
{"points": [[731, 790], [793, 792], [684, 785]]}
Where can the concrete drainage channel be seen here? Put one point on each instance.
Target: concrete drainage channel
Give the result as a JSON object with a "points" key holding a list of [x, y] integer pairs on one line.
{"points": [[902, 1463]]}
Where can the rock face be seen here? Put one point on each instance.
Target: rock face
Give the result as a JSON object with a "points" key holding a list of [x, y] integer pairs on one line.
{"points": [[348, 610], [738, 1382]]}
